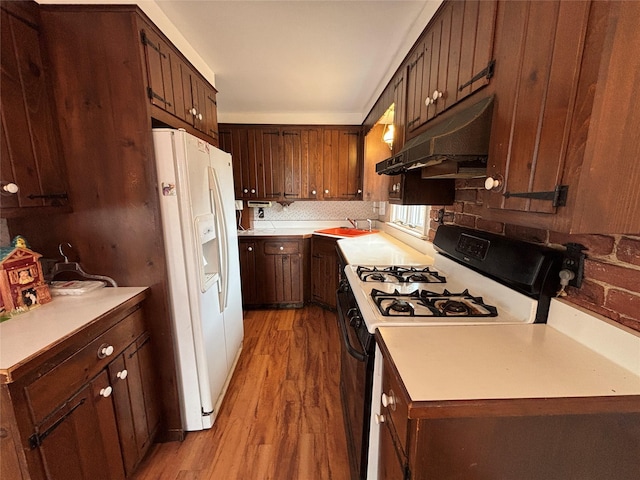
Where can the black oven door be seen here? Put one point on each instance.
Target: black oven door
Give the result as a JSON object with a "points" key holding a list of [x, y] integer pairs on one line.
{"points": [[356, 378]]}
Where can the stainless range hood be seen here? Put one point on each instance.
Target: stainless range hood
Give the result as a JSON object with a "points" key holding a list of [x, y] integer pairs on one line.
{"points": [[455, 148]]}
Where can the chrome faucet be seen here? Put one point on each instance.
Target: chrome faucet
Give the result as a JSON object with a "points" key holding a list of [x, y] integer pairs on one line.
{"points": [[352, 222]]}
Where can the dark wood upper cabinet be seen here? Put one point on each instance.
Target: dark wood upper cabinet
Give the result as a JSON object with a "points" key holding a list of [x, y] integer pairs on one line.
{"points": [[30, 149], [295, 162], [539, 53], [452, 59], [411, 189], [341, 166], [176, 88], [257, 162], [564, 116], [302, 159], [158, 56], [608, 193]]}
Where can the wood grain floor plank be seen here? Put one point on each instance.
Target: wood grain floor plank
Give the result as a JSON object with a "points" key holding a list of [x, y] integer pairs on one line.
{"points": [[281, 418]]}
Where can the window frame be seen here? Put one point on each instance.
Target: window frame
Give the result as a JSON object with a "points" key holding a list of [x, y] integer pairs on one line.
{"points": [[403, 217]]}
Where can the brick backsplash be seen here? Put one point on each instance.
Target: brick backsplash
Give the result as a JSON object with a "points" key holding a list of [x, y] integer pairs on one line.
{"points": [[611, 285]]}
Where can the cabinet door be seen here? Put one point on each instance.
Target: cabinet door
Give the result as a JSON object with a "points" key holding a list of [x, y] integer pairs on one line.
{"points": [[211, 114], [159, 75], [341, 163], [80, 440], [181, 98], [288, 278], [234, 140], [250, 277], [282, 268], [324, 271], [476, 46], [390, 467], [135, 401], [257, 162], [266, 161], [608, 199], [192, 97], [30, 152], [415, 77], [12, 462], [448, 64], [302, 163], [539, 53]]}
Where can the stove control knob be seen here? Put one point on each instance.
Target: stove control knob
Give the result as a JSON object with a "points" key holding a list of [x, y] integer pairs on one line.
{"points": [[389, 401], [379, 418]]}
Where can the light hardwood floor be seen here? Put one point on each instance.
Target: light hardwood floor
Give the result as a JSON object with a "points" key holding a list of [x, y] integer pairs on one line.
{"points": [[281, 418]]}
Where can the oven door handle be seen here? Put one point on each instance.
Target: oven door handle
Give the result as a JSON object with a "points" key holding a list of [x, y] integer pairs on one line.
{"points": [[360, 356]]}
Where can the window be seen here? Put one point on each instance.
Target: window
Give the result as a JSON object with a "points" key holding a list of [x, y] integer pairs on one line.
{"points": [[411, 218]]}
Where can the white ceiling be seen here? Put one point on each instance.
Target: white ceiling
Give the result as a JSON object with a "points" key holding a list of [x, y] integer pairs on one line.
{"points": [[297, 61]]}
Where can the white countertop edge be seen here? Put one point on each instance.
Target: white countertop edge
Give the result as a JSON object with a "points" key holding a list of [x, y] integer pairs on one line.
{"points": [[26, 335], [610, 339]]}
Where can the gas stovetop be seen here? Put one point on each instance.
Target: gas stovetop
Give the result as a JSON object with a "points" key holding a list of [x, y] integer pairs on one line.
{"points": [[443, 293], [396, 274], [425, 303]]}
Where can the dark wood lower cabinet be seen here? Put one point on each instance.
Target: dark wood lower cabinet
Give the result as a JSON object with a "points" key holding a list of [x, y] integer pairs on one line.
{"points": [[136, 407], [324, 270], [392, 462], [274, 271], [81, 439], [506, 439], [76, 413]]}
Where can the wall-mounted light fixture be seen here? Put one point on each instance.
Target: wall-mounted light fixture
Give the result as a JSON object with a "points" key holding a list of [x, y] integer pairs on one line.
{"points": [[387, 136]]}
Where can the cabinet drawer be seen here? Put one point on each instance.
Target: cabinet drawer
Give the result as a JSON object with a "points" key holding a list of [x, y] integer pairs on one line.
{"points": [[54, 387], [281, 248], [396, 412]]}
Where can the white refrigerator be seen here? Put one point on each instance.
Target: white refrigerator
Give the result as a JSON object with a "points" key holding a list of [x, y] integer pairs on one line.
{"points": [[195, 186]]}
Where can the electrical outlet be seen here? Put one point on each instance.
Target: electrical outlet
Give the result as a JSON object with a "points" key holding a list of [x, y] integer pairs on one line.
{"points": [[574, 261]]}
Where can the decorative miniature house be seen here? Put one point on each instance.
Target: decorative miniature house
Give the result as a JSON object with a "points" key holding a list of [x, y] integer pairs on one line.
{"points": [[22, 284]]}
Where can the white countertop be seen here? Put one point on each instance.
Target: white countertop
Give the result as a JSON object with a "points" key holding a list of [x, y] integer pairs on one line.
{"points": [[381, 249], [439, 363], [24, 335], [273, 232], [263, 228]]}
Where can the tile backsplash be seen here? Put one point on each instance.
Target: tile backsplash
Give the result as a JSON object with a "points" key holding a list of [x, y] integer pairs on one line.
{"points": [[305, 211]]}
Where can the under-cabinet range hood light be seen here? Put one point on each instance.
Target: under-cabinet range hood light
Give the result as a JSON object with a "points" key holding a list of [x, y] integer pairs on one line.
{"points": [[455, 148], [259, 204]]}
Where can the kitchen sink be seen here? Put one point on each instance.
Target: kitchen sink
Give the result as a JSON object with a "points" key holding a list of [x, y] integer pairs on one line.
{"points": [[345, 232]]}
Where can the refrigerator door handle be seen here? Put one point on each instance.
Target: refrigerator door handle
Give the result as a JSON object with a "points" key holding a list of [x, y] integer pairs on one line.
{"points": [[222, 237]]}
